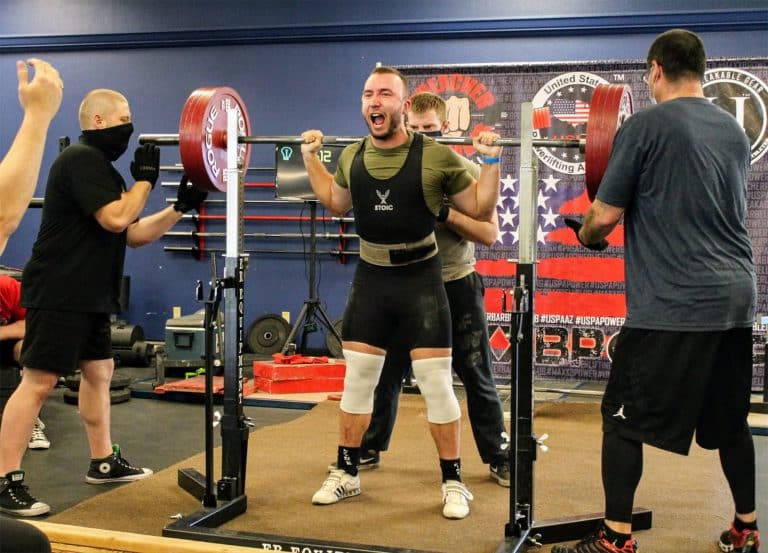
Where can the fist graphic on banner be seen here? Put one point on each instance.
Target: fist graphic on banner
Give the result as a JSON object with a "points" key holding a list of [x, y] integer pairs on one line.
{"points": [[457, 115]]}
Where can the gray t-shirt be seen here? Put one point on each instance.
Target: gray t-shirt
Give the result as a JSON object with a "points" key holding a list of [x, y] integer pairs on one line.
{"points": [[458, 254], [680, 170]]}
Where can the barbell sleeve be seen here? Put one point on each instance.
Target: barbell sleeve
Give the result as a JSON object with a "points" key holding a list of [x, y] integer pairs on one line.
{"points": [[159, 139]]}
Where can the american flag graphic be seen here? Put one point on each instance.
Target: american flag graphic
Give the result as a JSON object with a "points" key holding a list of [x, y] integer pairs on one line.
{"points": [[571, 279], [573, 112]]}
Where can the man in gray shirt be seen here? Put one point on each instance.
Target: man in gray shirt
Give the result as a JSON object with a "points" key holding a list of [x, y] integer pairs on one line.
{"points": [[683, 360]]}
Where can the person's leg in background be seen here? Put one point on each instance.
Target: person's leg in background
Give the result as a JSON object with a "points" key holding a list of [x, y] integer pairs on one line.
{"points": [[472, 364], [18, 420], [38, 439], [397, 366], [94, 403]]}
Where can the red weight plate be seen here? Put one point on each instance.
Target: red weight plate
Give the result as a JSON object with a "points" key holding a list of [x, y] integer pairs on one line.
{"points": [[610, 106], [202, 136], [541, 118], [597, 128], [190, 129]]}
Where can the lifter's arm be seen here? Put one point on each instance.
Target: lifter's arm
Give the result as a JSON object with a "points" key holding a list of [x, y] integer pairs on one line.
{"points": [[335, 198], [480, 198]]}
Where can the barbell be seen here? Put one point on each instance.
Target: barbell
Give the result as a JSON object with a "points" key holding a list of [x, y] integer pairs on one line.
{"points": [[202, 137]]}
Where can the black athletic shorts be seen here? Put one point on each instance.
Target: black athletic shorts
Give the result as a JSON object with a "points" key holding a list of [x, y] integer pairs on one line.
{"points": [[409, 299], [57, 341], [665, 385], [6, 353]]}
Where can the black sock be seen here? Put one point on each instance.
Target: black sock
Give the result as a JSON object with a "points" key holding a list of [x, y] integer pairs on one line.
{"points": [[740, 525], [451, 469], [348, 458], [616, 538]]}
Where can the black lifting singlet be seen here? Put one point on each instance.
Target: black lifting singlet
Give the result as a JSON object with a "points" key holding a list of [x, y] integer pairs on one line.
{"points": [[391, 211]]}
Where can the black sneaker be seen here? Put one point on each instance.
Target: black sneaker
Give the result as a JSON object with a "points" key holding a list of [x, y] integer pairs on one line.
{"points": [[746, 541], [114, 469], [500, 473], [369, 459], [15, 498]]}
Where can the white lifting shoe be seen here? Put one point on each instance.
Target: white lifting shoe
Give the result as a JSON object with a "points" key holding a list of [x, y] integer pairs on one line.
{"points": [[339, 485], [456, 498]]}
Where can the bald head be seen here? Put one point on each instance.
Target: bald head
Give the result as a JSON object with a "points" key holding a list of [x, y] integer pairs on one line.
{"points": [[103, 108]]}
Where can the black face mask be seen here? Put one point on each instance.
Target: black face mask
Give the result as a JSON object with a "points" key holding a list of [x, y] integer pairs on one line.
{"points": [[433, 134], [113, 141]]}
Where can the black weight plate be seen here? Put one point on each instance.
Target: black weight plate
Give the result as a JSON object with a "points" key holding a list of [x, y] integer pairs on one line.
{"points": [[125, 335], [333, 345], [268, 334]]}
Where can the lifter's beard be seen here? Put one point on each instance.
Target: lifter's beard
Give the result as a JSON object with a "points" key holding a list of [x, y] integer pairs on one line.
{"points": [[389, 132]]}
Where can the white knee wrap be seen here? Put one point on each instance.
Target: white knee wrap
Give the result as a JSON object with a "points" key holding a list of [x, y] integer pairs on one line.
{"points": [[362, 375], [436, 385]]}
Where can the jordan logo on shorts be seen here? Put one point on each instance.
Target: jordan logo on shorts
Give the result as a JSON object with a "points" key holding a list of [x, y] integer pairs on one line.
{"points": [[620, 413]]}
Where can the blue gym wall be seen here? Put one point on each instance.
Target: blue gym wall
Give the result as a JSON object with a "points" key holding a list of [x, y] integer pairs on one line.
{"points": [[298, 65]]}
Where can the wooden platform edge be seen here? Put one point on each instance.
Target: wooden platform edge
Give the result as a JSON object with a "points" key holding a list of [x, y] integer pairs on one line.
{"points": [[68, 535]]}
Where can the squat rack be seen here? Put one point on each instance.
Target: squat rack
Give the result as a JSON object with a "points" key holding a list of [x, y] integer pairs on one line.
{"points": [[522, 529], [230, 500]]}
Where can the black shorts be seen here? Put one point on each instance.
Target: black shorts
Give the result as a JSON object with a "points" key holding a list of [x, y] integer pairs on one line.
{"points": [[6, 353], [409, 300], [665, 385], [57, 341]]}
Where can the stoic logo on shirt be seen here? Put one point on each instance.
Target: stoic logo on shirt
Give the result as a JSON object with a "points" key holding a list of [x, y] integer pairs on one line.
{"points": [[383, 205]]}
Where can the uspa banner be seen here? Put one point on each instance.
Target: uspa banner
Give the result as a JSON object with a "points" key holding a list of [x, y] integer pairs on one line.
{"points": [[579, 301]]}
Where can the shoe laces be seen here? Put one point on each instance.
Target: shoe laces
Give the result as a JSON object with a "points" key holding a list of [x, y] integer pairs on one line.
{"points": [[20, 494], [598, 538], [124, 463], [37, 431], [334, 480], [746, 537], [120, 460], [456, 492]]}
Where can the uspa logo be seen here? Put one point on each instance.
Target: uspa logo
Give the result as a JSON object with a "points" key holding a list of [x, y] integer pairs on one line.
{"points": [[744, 96], [561, 111]]}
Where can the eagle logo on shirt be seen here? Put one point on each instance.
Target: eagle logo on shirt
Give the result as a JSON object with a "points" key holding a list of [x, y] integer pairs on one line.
{"points": [[383, 205]]}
